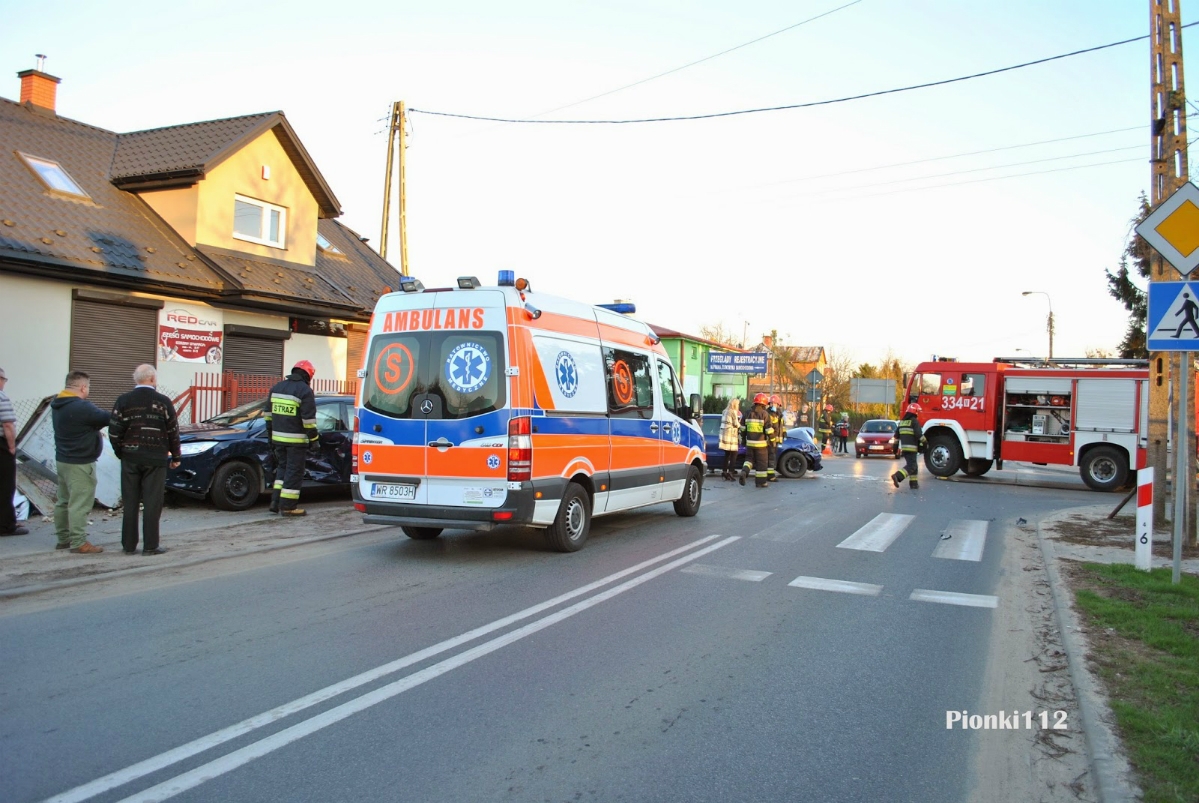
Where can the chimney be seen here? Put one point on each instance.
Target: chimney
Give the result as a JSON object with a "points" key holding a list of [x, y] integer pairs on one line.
{"points": [[39, 88]]}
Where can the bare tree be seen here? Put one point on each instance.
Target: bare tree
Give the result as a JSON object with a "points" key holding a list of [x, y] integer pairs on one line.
{"points": [[718, 334]]}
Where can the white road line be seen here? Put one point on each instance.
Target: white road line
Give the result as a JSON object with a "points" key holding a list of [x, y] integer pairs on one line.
{"points": [[878, 533], [227, 763], [954, 598], [965, 542], [844, 586], [183, 752], [724, 571]]}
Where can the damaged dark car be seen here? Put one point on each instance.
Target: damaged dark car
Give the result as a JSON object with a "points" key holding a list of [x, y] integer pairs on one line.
{"points": [[226, 457]]}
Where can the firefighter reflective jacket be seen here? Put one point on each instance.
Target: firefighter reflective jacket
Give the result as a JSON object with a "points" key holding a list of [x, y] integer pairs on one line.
{"points": [[776, 423], [911, 436], [291, 412], [757, 427]]}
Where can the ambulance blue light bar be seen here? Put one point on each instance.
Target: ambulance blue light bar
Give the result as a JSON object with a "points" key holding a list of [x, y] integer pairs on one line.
{"points": [[410, 285], [624, 307], [507, 278]]}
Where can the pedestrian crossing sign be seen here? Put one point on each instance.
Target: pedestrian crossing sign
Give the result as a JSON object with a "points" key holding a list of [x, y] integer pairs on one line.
{"points": [[1173, 320]]}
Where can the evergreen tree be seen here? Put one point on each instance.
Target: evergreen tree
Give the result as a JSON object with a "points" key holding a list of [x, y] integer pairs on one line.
{"points": [[1122, 288]]}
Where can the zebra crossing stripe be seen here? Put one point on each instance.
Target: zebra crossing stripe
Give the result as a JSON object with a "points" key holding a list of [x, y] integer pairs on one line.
{"points": [[723, 571], [963, 539], [878, 533], [954, 598], [844, 586]]}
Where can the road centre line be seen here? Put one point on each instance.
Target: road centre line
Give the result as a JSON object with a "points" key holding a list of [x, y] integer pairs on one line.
{"points": [[217, 738], [954, 598], [878, 533], [844, 586], [723, 571], [238, 758], [963, 539]]}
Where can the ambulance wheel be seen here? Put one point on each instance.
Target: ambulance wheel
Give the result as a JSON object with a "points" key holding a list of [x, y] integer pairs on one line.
{"points": [[693, 491], [977, 466], [421, 533], [944, 456], [569, 531], [793, 465], [236, 486], [1104, 468]]}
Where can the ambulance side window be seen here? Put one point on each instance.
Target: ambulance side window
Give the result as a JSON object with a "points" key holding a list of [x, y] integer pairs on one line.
{"points": [[630, 383], [672, 394]]}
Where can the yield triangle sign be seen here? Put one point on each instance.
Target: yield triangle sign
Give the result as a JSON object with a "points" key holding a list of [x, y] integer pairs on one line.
{"points": [[1173, 320]]}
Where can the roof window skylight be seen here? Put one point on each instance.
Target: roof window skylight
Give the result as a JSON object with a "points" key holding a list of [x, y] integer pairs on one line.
{"points": [[53, 176], [323, 243]]}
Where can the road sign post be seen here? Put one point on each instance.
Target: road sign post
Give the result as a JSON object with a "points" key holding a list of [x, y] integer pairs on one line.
{"points": [[1173, 230]]}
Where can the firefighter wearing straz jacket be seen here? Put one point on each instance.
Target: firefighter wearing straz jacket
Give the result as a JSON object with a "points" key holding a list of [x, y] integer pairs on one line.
{"points": [[775, 414], [758, 432], [291, 429], [911, 443]]}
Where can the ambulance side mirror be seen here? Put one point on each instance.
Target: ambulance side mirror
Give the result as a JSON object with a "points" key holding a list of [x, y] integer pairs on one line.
{"points": [[697, 407]]}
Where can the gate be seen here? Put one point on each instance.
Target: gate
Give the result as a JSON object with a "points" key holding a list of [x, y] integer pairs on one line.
{"points": [[212, 394]]}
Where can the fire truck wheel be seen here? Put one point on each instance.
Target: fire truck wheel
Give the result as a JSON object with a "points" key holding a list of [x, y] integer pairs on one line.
{"points": [[1104, 468], [569, 531], [421, 533], [693, 491], [977, 466], [944, 456]]}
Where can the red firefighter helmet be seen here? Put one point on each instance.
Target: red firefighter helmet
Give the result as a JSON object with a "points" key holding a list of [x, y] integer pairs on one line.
{"points": [[828, 407], [761, 398], [914, 408], [306, 367], [776, 399]]}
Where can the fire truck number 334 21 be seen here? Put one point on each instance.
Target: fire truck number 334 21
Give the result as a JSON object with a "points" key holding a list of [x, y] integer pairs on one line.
{"points": [[962, 403]]}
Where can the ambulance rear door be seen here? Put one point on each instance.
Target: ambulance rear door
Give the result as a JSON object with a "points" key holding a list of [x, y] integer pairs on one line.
{"points": [[463, 400]]}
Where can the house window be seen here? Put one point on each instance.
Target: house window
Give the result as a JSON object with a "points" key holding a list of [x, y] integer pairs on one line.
{"points": [[53, 176], [259, 222], [323, 243]]}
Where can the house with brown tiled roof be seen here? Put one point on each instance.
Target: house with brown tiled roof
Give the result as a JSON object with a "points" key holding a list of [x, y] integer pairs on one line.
{"points": [[788, 373], [204, 247]]}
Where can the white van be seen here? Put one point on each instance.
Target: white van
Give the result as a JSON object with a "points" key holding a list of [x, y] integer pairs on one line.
{"points": [[485, 406]]}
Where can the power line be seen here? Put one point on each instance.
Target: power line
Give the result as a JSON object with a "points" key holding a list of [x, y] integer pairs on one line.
{"points": [[810, 104], [698, 61], [940, 158]]}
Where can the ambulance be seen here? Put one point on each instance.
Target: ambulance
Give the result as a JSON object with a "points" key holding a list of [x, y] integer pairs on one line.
{"points": [[487, 406]]}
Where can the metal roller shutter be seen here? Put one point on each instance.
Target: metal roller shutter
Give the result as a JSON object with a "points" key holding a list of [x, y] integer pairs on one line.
{"points": [[355, 349], [253, 355], [107, 342]]}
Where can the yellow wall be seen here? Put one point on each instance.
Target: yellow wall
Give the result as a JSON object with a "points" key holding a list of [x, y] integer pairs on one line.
{"points": [[203, 214], [176, 207]]}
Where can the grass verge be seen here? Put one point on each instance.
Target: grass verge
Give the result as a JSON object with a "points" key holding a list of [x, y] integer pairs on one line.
{"points": [[1144, 643]]}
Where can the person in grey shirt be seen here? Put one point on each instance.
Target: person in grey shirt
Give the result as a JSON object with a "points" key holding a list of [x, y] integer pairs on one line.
{"points": [[8, 463]]}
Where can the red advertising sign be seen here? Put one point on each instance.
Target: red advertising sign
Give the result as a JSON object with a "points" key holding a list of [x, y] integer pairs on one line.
{"points": [[189, 335]]}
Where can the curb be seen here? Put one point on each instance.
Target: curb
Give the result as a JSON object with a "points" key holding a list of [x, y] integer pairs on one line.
{"points": [[1109, 768], [21, 591]]}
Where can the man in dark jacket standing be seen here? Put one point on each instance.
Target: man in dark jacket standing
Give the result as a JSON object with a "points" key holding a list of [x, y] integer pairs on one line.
{"points": [[77, 447], [145, 435], [291, 428]]}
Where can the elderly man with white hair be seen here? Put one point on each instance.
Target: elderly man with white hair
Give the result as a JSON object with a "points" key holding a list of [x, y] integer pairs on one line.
{"points": [[145, 435]]}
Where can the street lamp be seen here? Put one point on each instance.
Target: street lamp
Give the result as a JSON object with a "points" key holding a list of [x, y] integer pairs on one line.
{"points": [[1049, 325]]}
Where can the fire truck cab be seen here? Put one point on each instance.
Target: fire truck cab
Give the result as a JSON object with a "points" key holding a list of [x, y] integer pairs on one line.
{"points": [[1093, 414]]}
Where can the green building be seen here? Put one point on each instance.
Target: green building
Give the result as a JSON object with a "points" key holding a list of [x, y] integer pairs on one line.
{"points": [[689, 354]]}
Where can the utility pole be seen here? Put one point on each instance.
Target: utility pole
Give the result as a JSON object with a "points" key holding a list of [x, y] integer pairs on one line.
{"points": [[1169, 172], [395, 131]]}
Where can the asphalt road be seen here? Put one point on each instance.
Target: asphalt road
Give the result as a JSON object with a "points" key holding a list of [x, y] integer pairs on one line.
{"points": [[672, 659]]}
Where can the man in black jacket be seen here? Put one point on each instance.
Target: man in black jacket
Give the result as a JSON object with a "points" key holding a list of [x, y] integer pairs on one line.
{"points": [[145, 435], [291, 428], [77, 447]]}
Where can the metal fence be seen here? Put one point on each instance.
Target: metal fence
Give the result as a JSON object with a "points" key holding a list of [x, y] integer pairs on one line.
{"points": [[212, 394]]}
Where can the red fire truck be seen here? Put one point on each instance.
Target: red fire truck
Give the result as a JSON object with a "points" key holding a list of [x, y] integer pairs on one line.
{"points": [[1093, 414]]}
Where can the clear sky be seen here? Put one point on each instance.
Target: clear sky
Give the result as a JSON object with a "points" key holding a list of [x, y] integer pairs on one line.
{"points": [[797, 221]]}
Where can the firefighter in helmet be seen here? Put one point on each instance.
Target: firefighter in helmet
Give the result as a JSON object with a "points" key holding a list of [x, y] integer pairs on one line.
{"points": [[911, 442], [758, 432], [824, 426], [291, 430], [775, 413]]}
